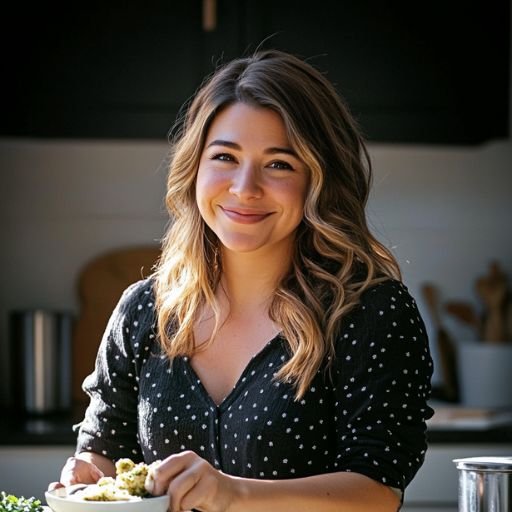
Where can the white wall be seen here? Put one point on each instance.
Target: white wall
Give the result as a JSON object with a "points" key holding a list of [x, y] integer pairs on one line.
{"points": [[445, 210], [63, 203]]}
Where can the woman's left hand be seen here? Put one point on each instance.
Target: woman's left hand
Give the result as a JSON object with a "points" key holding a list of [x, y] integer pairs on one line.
{"points": [[192, 483]]}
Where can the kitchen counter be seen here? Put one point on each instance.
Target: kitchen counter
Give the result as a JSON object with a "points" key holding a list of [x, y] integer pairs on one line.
{"points": [[55, 430], [493, 435]]}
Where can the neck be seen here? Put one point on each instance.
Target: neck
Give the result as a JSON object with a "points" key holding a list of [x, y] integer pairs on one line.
{"points": [[249, 280]]}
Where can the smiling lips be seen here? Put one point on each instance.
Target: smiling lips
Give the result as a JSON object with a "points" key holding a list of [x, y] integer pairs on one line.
{"points": [[244, 215]]}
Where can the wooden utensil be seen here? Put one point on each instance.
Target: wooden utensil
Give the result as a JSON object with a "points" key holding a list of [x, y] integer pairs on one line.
{"points": [[465, 312], [492, 289], [445, 344]]}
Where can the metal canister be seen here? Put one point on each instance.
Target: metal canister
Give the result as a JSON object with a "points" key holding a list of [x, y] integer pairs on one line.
{"points": [[41, 360], [485, 484]]}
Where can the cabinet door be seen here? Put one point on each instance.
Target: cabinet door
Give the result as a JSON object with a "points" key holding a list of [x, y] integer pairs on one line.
{"points": [[108, 68], [435, 73], [430, 73]]}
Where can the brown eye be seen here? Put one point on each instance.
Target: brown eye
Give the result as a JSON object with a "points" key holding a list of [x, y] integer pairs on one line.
{"points": [[223, 157], [281, 165]]}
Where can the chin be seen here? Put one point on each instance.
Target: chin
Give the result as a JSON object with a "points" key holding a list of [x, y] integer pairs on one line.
{"points": [[241, 248], [241, 244]]}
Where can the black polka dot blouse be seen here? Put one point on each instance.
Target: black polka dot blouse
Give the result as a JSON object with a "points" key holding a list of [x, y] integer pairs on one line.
{"points": [[367, 417]]}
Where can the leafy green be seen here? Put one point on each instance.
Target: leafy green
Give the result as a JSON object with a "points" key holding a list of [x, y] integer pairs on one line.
{"points": [[10, 503]]}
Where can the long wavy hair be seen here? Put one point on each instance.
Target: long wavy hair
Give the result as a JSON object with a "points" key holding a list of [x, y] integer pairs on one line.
{"points": [[336, 258]]}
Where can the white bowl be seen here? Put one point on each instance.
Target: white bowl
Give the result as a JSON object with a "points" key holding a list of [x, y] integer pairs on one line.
{"points": [[59, 501]]}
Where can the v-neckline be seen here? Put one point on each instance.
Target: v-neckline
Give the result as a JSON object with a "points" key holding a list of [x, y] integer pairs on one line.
{"points": [[236, 389]]}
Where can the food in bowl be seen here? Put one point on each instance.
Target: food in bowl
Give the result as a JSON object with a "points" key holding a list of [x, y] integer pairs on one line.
{"points": [[126, 492], [128, 485]]}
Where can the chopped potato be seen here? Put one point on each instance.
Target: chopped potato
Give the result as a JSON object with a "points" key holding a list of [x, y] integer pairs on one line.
{"points": [[106, 480], [128, 485]]}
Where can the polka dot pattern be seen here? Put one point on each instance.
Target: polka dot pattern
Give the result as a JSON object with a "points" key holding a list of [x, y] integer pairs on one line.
{"points": [[366, 415]]}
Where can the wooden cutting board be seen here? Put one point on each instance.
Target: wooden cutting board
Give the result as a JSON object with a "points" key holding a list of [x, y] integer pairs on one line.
{"points": [[100, 285]]}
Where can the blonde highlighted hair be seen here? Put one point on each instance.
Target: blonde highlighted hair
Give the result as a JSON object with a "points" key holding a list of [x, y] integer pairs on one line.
{"points": [[336, 257]]}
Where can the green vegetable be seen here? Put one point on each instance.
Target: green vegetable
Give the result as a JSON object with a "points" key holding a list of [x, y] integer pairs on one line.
{"points": [[10, 503]]}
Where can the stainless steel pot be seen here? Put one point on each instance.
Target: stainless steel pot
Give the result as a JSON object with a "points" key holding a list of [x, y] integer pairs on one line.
{"points": [[485, 484], [41, 360]]}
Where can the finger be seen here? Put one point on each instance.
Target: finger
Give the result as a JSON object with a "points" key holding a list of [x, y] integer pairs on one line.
{"points": [[77, 471], [213, 491], [95, 473], [69, 479], [54, 485], [69, 472], [180, 486], [196, 496], [172, 466]]}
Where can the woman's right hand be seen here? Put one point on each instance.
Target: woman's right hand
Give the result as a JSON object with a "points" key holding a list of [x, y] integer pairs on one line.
{"points": [[77, 471]]}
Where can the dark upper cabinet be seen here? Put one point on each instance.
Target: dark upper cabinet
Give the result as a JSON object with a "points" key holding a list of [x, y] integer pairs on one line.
{"points": [[437, 72], [428, 72], [109, 68]]}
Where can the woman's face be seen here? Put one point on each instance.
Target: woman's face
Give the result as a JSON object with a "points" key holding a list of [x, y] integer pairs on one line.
{"points": [[251, 186]]}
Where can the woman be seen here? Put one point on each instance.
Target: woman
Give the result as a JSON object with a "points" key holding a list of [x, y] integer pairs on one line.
{"points": [[274, 361]]}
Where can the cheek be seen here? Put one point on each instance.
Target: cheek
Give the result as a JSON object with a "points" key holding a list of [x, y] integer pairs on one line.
{"points": [[201, 200], [294, 196], [208, 186], [300, 204]]}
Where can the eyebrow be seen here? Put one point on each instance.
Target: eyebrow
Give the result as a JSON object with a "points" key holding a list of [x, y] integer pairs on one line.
{"points": [[269, 151]]}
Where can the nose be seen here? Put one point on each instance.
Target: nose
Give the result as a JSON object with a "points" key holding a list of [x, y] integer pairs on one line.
{"points": [[246, 182]]}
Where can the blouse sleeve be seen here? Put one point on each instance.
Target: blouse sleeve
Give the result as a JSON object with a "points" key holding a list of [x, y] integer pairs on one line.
{"points": [[110, 422], [382, 377]]}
